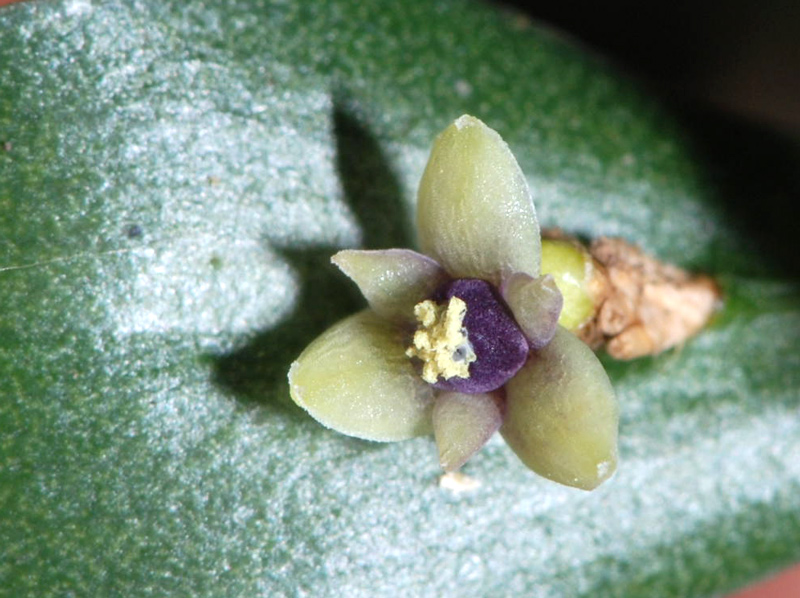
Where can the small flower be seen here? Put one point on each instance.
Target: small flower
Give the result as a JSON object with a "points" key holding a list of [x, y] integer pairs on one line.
{"points": [[463, 341]]}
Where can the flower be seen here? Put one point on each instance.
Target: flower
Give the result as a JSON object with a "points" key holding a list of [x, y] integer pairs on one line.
{"points": [[463, 340]]}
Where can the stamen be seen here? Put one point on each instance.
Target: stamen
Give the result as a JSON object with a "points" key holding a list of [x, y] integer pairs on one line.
{"points": [[499, 345], [441, 340]]}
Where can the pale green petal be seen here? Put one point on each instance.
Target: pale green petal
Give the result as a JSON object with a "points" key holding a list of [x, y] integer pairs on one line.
{"points": [[536, 304], [356, 379], [561, 414], [392, 280], [475, 213], [462, 424], [573, 270]]}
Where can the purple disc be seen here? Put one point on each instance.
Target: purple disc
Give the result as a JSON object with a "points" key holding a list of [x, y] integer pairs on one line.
{"points": [[499, 345]]}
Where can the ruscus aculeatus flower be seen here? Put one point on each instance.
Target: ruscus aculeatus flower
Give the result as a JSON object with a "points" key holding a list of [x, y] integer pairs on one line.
{"points": [[462, 339]]}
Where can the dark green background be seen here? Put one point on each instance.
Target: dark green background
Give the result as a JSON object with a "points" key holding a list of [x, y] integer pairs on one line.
{"points": [[173, 179]]}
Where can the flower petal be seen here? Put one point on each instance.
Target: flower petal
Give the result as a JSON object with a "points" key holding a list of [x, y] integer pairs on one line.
{"points": [[536, 304], [356, 379], [561, 414], [462, 424], [393, 281], [475, 214]]}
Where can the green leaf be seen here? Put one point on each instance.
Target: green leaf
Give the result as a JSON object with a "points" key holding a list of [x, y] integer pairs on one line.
{"points": [[174, 177]]}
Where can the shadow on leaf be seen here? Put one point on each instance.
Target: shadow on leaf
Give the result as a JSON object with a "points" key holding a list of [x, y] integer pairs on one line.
{"points": [[256, 374], [755, 170]]}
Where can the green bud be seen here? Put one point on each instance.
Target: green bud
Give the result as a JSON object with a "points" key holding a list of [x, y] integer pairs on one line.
{"points": [[576, 276]]}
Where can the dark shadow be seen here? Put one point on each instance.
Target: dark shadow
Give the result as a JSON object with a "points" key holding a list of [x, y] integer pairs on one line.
{"points": [[370, 187], [256, 373], [757, 173]]}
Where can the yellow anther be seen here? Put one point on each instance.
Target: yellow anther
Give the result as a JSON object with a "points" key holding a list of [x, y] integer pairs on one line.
{"points": [[441, 340]]}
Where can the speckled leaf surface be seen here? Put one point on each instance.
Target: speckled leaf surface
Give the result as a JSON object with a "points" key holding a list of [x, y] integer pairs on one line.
{"points": [[173, 179]]}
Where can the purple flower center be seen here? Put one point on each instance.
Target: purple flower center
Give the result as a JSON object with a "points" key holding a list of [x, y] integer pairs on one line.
{"points": [[499, 345]]}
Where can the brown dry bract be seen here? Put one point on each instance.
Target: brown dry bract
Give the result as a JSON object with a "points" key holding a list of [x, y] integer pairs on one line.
{"points": [[645, 306]]}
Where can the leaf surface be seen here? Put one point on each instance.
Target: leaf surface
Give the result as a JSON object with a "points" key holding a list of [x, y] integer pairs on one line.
{"points": [[174, 177]]}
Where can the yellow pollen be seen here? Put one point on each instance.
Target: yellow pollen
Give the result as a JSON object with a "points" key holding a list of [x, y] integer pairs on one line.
{"points": [[441, 340]]}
